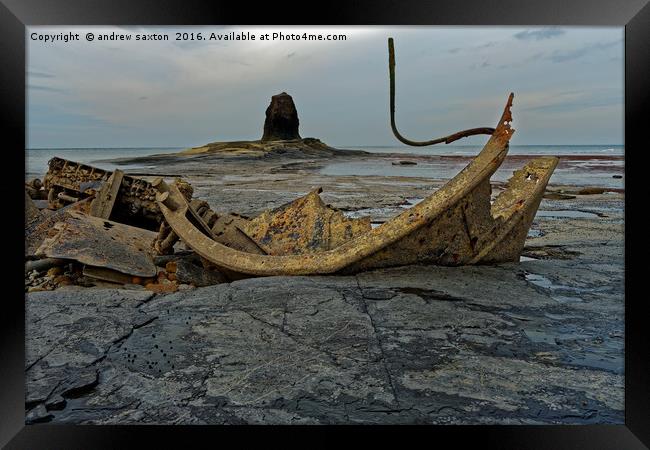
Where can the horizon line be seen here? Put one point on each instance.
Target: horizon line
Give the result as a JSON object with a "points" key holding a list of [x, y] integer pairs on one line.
{"points": [[342, 147]]}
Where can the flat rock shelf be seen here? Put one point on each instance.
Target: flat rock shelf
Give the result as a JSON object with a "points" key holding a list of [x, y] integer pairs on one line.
{"points": [[538, 342], [469, 345]]}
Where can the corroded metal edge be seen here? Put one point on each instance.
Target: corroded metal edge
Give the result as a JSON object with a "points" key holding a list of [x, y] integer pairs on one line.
{"points": [[515, 207]]}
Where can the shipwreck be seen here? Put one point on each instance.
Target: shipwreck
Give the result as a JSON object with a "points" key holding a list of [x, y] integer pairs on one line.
{"points": [[116, 225]]}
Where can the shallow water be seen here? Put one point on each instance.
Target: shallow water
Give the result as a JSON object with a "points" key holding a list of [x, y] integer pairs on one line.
{"points": [[471, 150], [36, 159], [566, 213], [577, 174]]}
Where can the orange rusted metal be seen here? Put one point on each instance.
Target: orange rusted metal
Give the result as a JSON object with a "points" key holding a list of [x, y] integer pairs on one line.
{"points": [[133, 200], [98, 242], [305, 225]]}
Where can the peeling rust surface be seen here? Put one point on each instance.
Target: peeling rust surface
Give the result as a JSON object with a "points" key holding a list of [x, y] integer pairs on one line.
{"points": [[227, 229], [305, 225], [38, 226], [102, 243], [515, 209]]}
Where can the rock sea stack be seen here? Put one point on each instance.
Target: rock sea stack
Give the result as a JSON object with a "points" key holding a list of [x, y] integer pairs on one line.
{"points": [[280, 138], [281, 121]]}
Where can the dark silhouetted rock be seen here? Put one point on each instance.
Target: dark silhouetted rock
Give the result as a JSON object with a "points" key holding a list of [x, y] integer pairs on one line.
{"points": [[281, 119], [592, 191]]}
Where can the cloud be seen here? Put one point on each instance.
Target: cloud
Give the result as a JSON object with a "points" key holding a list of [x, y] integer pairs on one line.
{"points": [[573, 101], [536, 56], [37, 87], [474, 48], [559, 56], [484, 64], [164, 93], [539, 34], [40, 74], [235, 61]]}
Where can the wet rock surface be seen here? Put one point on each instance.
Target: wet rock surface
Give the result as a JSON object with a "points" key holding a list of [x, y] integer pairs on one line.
{"points": [[535, 342]]}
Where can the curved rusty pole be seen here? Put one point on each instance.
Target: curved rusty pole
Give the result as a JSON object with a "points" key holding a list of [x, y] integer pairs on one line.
{"points": [[446, 139]]}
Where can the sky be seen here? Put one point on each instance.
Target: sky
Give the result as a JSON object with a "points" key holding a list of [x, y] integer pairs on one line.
{"points": [[568, 84]]}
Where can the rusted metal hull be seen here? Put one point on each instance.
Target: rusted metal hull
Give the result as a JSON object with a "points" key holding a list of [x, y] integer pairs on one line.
{"points": [[453, 226], [101, 243], [132, 199]]}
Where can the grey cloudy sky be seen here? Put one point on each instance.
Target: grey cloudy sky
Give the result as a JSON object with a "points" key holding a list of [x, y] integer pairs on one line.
{"points": [[568, 85]]}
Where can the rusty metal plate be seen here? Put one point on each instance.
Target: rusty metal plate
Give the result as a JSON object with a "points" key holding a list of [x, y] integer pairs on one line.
{"points": [[305, 225], [227, 230], [101, 273], [102, 243], [37, 226]]}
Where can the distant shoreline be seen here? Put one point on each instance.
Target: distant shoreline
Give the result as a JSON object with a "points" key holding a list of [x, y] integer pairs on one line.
{"points": [[593, 169]]}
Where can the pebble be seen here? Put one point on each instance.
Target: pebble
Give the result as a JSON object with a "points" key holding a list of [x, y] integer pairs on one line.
{"points": [[134, 287], [591, 191], [35, 289], [54, 271], [170, 266]]}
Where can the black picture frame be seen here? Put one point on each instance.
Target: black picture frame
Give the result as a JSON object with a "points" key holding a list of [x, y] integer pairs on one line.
{"points": [[634, 15]]}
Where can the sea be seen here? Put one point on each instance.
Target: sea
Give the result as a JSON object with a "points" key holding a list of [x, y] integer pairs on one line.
{"points": [[37, 158], [471, 150], [597, 165]]}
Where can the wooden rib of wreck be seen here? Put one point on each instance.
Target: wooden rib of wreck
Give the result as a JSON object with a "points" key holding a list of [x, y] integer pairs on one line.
{"points": [[455, 225]]}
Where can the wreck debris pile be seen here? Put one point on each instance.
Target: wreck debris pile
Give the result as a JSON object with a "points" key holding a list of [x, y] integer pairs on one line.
{"points": [[85, 226], [111, 227], [129, 199]]}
